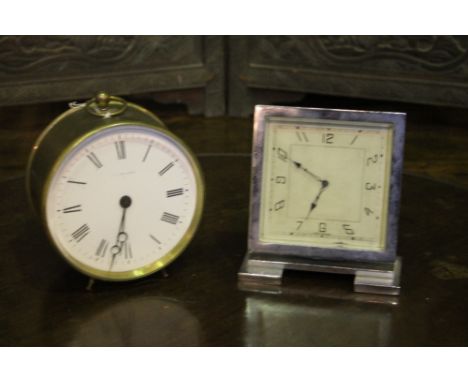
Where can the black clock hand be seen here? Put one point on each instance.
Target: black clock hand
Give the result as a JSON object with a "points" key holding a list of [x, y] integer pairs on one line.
{"points": [[323, 185], [122, 236], [313, 205], [317, 197], [300, 166]]}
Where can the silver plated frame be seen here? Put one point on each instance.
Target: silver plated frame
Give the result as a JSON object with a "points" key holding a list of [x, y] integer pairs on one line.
{"points": [[353, 260]]}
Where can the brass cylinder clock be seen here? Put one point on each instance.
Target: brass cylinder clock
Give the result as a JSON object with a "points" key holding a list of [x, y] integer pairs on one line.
{"points": [[120, 196]]}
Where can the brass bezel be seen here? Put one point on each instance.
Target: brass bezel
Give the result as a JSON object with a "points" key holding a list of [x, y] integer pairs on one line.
{"points": [[32, 155], [80, 108], [152, 267]]}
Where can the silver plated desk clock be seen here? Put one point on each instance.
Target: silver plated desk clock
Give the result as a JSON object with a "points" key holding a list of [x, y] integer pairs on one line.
{"points": [[325, 195]]}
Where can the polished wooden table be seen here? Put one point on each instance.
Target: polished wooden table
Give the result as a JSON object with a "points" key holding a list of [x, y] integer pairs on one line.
{"points": [[197, 301]]}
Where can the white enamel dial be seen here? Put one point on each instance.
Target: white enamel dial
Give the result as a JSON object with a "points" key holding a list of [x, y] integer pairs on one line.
{"points": [[326, 184], [122, 200]]}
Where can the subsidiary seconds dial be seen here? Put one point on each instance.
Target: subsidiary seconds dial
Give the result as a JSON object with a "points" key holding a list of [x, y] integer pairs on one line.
{"points": [[123, 202]]}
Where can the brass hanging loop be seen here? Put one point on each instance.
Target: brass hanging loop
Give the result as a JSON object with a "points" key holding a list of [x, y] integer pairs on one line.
{"points": [[104, 105]]}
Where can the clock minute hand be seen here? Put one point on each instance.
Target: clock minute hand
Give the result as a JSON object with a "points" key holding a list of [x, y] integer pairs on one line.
{"points": [[300, 166], [122, 236]]}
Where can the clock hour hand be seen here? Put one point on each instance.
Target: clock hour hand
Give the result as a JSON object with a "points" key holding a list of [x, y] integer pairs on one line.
{"points": [[122, 236], [317, 197], [313, 204]]}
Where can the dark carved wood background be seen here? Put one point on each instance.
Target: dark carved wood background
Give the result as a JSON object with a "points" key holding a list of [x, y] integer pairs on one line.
{"points": [[49, 68], [420, 69], [28, 57], [260, 69]]}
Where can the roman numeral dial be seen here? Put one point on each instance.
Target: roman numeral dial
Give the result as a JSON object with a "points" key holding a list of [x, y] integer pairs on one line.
{"points": [[81, 232], [102, 248], [70, 209], [166, 168], [120, 149], [169, 218], [175, 192], [122, 202], [94, 160]]}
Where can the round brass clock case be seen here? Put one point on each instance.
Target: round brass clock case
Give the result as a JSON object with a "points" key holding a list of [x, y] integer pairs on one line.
{"points": [[125, 130]]}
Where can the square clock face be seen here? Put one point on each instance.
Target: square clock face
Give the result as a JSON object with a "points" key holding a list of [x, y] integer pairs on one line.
{"points": [[326, 183]]}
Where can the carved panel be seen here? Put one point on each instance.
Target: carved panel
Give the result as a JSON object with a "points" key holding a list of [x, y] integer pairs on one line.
{"points": [[398, 54], [421, 69], [427, 53], [52, 68], [62, 56]]}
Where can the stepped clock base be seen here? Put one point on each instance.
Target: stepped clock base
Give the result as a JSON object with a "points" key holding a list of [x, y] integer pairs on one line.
{"points": [[379, 278]]}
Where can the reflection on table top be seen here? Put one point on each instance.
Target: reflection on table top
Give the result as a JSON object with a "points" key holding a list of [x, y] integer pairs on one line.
{"points": [[197, 300]]}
